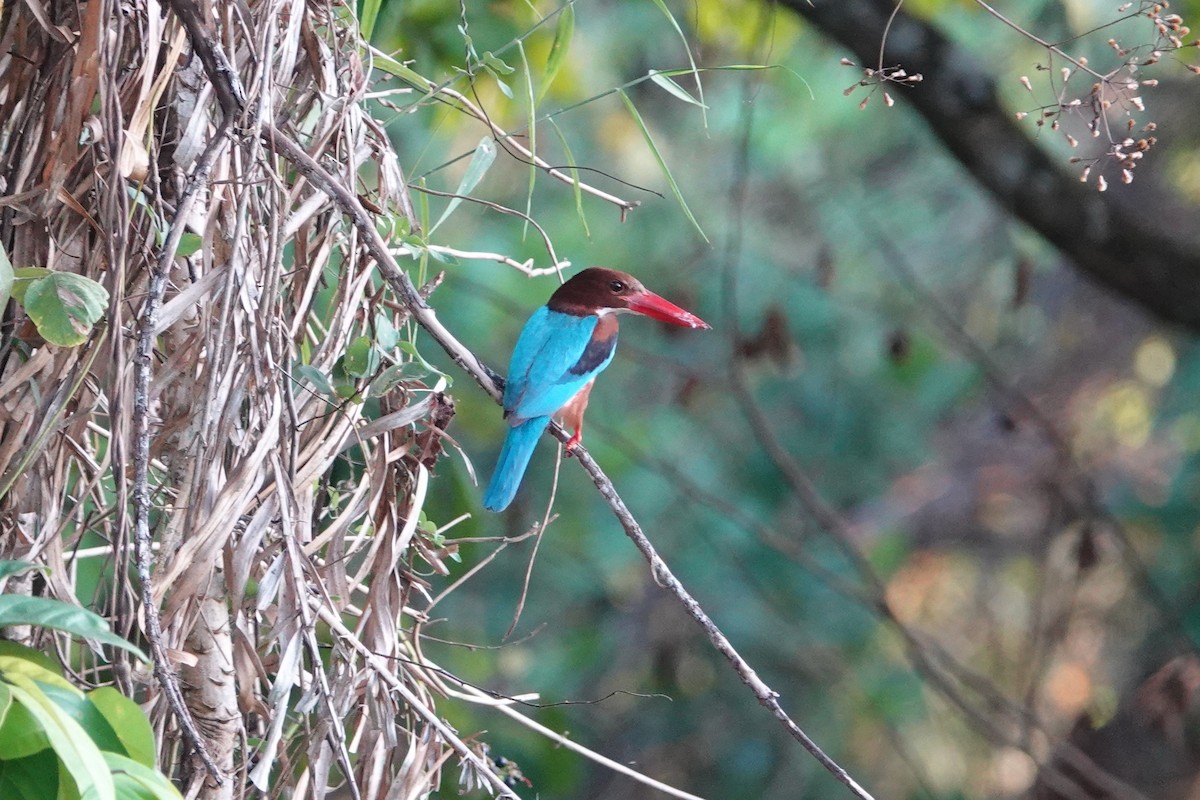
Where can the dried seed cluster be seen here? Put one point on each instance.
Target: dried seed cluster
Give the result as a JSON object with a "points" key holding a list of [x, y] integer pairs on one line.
{"points": [[1110, 108], [875, 78]]}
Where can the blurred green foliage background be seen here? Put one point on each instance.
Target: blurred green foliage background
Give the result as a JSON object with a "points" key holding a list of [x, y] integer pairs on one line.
{"points": [[1013, 452]]}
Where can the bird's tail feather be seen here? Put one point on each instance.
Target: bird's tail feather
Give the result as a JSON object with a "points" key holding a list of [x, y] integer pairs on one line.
{"points": [[514, 458]]}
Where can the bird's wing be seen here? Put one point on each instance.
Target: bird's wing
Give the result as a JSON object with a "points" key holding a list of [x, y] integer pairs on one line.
{"points": [[555, 357]]}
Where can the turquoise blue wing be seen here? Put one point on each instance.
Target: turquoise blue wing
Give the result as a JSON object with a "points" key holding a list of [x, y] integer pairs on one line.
{"points": [[542, 375]]}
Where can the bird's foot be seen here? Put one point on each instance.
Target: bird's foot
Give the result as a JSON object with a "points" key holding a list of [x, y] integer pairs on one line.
{"points": [[574, 442]]}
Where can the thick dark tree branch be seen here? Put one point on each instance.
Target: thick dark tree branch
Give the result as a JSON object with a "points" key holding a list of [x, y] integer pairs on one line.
{"points": [[1116, 245]]}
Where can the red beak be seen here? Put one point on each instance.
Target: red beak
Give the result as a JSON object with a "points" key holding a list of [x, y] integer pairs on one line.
{"points": [[651, 305]]}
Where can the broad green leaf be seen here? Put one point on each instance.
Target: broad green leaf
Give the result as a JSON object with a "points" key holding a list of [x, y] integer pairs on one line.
{"points": [[134, 781], [361, 359], [75, 750], [391, 377], [128, 721], [661, 79], [32, 777], [411, 349], [6, 278], [20, 733], [558, 50], [5, 703], [662, 164], [77, 706], [481, 160], [189, 244], [14, 650], [319, 380], [47, 613], [8, 568], [20, 665], [23, 277], [65, 306], [386, 335]]}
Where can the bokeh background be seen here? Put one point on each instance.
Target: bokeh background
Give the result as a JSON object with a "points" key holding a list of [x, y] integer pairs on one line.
{"points": [[936, 484]]}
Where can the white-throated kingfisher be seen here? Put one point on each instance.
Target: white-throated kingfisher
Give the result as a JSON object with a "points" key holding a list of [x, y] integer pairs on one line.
{"points": [[561, 350]]}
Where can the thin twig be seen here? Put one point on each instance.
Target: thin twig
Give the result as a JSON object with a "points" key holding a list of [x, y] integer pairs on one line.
{"points": [[143, 359], [489, 381], [385, 673]]}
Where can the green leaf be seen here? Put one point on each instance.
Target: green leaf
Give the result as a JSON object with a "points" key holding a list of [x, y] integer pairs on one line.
{"points": [[562, 140], [75, 750], [65, 306], [128, 721], [6, 278], [662, 6], [22, 734], [189, 244], [370, 13], [531, 126], [558, 50], [391, 377], [134, 781], [32, 777], [361, 359], [5, 704], [481, 160], [386, 335], [496, 65], [21, 666], [22, 277], [8, 568], [319, 380], [14, 650], [76, 705], [674, 88], [382, 61], [48, 613], [662, 164]]}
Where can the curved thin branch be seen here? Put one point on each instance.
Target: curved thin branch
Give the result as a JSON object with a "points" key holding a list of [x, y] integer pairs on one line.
{"points": [[400, 282]]}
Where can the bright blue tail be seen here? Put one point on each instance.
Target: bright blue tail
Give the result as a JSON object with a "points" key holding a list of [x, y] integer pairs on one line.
{"points": [[514, 458]]}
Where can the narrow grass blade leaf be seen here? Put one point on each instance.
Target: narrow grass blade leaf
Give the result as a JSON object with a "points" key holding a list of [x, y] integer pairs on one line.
{"points": [[574, 177], [558, 50], [531, 124], [662, 6], [662, 164], [661, 79], [370, 13], [481, 161]]}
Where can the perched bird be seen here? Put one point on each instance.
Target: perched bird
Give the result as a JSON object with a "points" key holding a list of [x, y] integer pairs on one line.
{"points": [[561, 350]]}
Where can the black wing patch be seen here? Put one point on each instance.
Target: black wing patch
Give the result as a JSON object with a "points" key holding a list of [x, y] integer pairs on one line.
{"points": [[598, 350]]}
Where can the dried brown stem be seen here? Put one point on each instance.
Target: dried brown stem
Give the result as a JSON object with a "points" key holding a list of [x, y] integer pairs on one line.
{"points": [[142, 363]]}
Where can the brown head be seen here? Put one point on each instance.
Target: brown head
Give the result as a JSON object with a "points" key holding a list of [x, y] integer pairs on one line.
{"points": [[597, 290]]}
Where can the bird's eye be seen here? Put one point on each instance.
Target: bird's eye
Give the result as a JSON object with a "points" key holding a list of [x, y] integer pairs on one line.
{"points": [[616, 286]]}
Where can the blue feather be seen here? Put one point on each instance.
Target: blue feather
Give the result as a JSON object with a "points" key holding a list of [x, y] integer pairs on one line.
{"points": [[514, 458], [541, 380]]}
